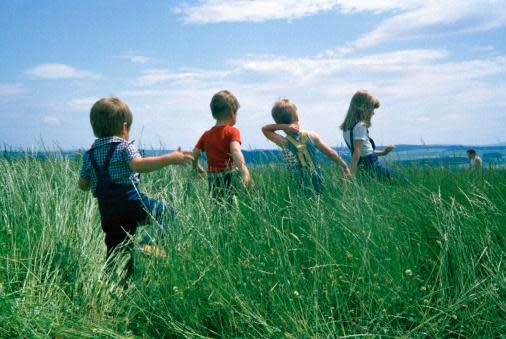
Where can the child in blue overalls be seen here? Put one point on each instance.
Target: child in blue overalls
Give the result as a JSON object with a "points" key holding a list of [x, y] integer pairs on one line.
{"points": [[299, 147], [355, 127], [111, 169]]}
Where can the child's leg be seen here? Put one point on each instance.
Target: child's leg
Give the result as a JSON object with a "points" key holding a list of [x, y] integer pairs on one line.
{"points": [[117, 247], [223, 186], [158, 215], [383, 172]]}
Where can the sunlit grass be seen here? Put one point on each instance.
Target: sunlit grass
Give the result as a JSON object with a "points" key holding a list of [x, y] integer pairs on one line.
{"points": [[370, 258]]}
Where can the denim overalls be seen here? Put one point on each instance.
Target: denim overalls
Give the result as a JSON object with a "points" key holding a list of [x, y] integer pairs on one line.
{"points": [[370, 162], [122, 207], [307, 171]]}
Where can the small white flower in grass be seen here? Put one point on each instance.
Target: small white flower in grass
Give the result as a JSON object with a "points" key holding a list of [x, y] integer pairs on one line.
{"points": [[296, 293], [245, 263], [408, 272]]}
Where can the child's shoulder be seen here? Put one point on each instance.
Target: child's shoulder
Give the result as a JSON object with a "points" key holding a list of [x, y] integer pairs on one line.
{"points": [[127, 148], [361, 125], [231, 128]]}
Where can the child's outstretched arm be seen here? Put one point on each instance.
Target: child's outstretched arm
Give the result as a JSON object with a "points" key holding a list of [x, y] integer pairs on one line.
{"points": [[329, 152], [150, 164], [196, 165], [238, 157], [270, 132], [387, 150]]}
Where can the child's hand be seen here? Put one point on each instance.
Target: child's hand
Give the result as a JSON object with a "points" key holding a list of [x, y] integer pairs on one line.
{"points": [[246, 180], [347, 173], [201, 171], [388, 149], [182, 157]]}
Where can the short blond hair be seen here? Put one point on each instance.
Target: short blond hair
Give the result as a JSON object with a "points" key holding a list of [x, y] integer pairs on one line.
{"points": [[108, 116], [284, 111], [223, 104], [362, 105]]}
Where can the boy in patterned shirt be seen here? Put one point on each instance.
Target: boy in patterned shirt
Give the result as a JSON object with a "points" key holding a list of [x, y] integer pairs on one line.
{"points": [[111, 170], [222, 144]]}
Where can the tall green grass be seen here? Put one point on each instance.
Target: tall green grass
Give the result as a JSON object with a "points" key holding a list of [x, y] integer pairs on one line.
{"points": [[363, 259]]}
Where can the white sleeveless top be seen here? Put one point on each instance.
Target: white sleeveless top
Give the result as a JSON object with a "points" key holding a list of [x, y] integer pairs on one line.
{"points": [[360, 133]]}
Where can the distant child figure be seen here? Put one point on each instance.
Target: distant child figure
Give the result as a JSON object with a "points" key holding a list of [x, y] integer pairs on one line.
{"points": [[222, 145], [299, 147], [356, 135], [111, 169], [474, 159]]}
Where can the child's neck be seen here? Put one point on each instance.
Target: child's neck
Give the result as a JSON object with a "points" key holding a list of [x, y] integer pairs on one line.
{"points": [[293, 134], [224, 122]]}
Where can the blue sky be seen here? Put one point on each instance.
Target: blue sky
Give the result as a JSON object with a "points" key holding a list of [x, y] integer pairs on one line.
{"points": [[438, 67]]}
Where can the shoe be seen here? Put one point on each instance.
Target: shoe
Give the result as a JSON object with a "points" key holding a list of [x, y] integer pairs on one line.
{"points": [[152, 250]]}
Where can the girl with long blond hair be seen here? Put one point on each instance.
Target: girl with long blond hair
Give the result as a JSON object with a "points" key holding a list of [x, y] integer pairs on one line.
{"points": [[355, 129]]}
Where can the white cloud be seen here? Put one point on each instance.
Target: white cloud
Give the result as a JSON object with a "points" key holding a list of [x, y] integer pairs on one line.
{"points": [[302, 70], [409, 19], [82, 104], [137, 59], [437, 18], [419, 90], [51, 121], [214, 11], [155, 76], [349, 6], [60, 71], [7, 90]]}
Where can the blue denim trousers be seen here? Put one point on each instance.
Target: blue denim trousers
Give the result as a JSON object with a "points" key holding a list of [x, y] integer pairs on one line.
{"points": [[158, 216], [372, 165]]}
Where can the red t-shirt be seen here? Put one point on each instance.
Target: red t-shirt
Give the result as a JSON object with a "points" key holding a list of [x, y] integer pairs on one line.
{"points": [[216, 144]]}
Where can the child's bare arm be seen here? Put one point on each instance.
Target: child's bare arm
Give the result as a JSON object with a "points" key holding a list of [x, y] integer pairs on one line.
{"points": [[196, 165], [238, 157], [329, 152], [270, 132], [387, 150], [150, 164], [83, 184], [357, 146]]}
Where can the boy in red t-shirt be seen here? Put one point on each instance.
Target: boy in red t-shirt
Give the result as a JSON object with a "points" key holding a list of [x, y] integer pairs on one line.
{"points": [[222, 145]]}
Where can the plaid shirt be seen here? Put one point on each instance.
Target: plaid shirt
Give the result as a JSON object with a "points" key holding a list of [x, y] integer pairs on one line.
{"points": [[119, 170]]}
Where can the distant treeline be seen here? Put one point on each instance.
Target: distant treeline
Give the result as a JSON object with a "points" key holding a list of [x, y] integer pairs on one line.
{"points": [[410, 155]]}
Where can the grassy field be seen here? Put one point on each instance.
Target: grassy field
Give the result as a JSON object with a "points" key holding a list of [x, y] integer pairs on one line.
{"points": [[363, 260]]}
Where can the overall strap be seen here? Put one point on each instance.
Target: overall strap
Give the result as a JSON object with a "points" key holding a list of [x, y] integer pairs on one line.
{"points": [[303, 154], [351, 145], [373, 144], [107, 160]]}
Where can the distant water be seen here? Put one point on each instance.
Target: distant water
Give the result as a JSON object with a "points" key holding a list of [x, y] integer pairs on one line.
{"points": [[432, 155]]}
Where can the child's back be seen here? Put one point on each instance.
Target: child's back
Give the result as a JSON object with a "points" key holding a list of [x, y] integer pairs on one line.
{"points": [[300, 156], [222, 145], [299, 147], [111, 170]]}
